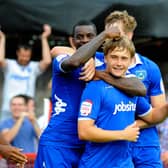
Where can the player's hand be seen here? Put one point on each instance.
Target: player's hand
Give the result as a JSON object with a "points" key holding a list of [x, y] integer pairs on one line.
{"points": [[131, 132], [47, 31], [88, 70], [13, 154], [112, 32]]}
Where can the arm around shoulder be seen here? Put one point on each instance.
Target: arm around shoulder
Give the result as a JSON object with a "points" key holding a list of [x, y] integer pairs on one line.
{"points": [[157, 114]]}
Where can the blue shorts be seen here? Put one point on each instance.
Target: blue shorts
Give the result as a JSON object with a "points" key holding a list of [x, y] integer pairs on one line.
{"points": [[127, 163], [57, 157], [146, 157], [105, 157]]}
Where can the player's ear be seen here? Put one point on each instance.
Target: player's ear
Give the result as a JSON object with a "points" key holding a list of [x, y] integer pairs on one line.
{"points": [[130, 35], [71, 42]]}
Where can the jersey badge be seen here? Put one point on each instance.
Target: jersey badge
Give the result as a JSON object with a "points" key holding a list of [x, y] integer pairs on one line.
{"points": [[86, 108]]}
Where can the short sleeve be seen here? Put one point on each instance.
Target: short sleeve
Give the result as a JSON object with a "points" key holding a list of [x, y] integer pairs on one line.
{"points": [[142, 107], [58, 61], [90, 102]]}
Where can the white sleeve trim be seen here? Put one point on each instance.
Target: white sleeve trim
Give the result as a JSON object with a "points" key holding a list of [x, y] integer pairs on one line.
{"points": [[60, 58], [84, 118], [144, 114]]}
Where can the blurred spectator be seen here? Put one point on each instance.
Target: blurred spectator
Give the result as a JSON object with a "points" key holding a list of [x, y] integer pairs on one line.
{"points": [[20, 75], [163, 133], [11, 153], [30, 103], [21, 129]]}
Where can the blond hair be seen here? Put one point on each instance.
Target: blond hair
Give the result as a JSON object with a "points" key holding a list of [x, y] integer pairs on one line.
{"points": [[128, 21]]}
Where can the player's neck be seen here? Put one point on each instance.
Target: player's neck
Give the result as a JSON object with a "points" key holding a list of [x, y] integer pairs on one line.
{"points": [[133, 61]]}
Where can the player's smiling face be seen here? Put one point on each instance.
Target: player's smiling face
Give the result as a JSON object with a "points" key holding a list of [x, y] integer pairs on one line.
{"points": [[117, 61], [83, 34]]}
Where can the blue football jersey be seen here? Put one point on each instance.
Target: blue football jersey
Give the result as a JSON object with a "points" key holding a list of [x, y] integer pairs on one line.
{"points": [[112, 110], [148, 72], [66, 94]]}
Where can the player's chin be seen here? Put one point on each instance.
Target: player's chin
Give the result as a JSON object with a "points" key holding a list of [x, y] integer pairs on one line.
{"points": [[117, 74]]}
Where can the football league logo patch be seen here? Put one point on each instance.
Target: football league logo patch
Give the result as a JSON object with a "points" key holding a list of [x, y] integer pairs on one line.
{"points": [[86, 108], [141, 74]]}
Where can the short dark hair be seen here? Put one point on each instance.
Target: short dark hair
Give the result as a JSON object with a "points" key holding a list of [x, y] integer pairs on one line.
{"points": [[25, 46], [24, 96], [84, 23]]}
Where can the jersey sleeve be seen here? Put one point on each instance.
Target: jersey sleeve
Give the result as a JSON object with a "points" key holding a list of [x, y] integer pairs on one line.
{"points": [[142, 107], [90, 102], [58, 61]]}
